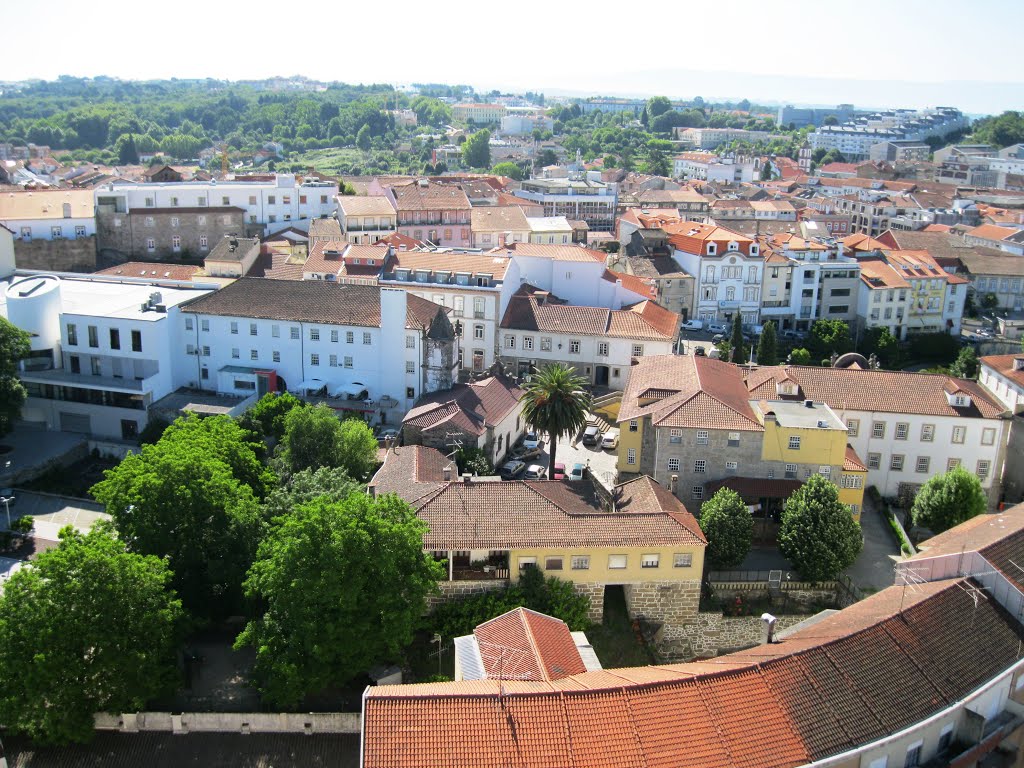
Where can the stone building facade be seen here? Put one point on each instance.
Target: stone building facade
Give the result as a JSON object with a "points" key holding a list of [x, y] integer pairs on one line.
{"points": [[166, 233]]}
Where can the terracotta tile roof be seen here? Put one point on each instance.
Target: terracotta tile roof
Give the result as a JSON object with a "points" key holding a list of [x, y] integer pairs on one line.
{"points": [[989, 261], [401, 242], [991, 232], [1004, 364], [852, 462], [525, 514], [526, 645], [810, 694], [688, 391], [149, 269], [530, 309], [363, 205], [471, 407], [651, 219], [878, 273], [558, 252], [499, 219], [691, 237], [631, 282], [999, 538], [46, 204], [861, 242], [276, 264], [432, 197], [324, 228], [506, 199], [659, 267], [310, 301], [859, 389], [493, 264], [673, 196]]}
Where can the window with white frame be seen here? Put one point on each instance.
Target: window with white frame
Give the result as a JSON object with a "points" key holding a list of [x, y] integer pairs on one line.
{"points": [[634, 425], [314, 334], [952, 464], [367, 338], [581, 563], [700, 465], [617, 562], [574, 347], [638, 350], [874, 460], [913, 758], [673, 465], [794, 443], [545, 343], [734, 440], [528, 342], [410, 342], [878, 429], [347, 362], [293, 333], [959, 433], [350, 337], [602, 349], [902, 430], [527, 562], [410, 366], [552, 564], [896, 462], [332, 360], [988, 436], [852, 481], [697, 492], [682, 560], [510, 342], [825, 471], [927, 433], [235, 354], [675, 435], [923, 463], [188, 324], [732, 466], [984, 467], [791, 471], [702, 437], [650, 561], [314, 359], [631, 455]]}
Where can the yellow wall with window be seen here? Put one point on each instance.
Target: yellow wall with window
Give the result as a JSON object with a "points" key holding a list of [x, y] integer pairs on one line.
{"points": [[601, 560], [817, 446], [629, 439], [853, 496]]}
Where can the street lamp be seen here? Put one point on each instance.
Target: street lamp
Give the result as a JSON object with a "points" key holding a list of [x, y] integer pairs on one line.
{"points": [[7, 506]]}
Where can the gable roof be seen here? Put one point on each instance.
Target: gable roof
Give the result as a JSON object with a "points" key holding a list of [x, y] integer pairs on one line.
{"points": [[499, 219], [558, 252], [148, 269], [517, 514], [527, 645], [1004, 365], [690, 236], [810, 695], [688, 391], [991, 232], [863, 389], [429, 197], [309, 301], [530, 309], [471, 407], [46, 204], [363, 205]]}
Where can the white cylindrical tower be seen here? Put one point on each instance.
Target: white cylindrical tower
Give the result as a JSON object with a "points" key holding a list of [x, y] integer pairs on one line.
{"points": [[34, 305]]}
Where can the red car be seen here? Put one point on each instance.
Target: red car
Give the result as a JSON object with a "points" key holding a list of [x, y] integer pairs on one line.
{"points": [[559, 470]]}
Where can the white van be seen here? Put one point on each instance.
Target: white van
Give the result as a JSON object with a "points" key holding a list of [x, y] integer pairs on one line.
{"points": [[692, 325]]}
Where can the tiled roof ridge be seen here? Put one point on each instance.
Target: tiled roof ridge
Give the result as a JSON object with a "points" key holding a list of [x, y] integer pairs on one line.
{"points": [[532, 640]]}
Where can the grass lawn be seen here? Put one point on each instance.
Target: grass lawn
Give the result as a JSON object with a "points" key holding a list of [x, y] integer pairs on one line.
{"points": [[330, 160], [614, 641]]}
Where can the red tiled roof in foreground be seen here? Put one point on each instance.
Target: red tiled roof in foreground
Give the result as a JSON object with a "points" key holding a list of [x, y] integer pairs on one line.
{"points": [[849, 679], [527, 645]]}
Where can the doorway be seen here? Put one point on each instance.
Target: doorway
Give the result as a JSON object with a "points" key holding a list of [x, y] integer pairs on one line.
{"points": [[601, 376]]}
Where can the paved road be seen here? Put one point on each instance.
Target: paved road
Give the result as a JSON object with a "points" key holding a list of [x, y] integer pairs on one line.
{"points": [[874, 568]]}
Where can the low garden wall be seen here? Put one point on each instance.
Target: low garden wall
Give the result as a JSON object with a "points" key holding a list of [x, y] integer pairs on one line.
{"points": [[231, 722]]}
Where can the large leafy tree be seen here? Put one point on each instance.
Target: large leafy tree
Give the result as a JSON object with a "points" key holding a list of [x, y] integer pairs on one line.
{"points": [[729, 527], [184, 498], [828, 336], [314, 437], [819, 535], [948, 499], [966, 364], [768, 345], [14, 346], [554, 402], [736, 341], [88, 627], [266, 416], [476, 152], [344, 585], [332, 483]]}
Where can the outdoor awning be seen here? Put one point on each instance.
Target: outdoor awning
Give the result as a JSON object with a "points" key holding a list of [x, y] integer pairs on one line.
{"points": [[312, 385], [355, 389]]}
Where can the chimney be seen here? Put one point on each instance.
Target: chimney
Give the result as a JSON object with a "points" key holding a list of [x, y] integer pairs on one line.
{"points": [[467, 478], [767, 628], [447, 473], [808, 403], [673, 483], [1018, 363]]}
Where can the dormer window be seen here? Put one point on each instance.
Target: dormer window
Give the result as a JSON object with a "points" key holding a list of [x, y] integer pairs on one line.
{"points": [[753, 250], [1018, 363], [734, 246], [712, 249], [785, 388], [959, 400], [401, 274]]}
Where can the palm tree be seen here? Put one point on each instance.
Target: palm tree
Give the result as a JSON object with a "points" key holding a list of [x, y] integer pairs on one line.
{"points": [[554, 402]]}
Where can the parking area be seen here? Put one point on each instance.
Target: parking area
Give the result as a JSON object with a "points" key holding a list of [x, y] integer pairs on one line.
{"points": [[52, 513]]}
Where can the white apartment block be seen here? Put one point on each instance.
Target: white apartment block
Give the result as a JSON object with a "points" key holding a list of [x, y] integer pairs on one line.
{"points": [[48, 214], [269, 206], [103, 350], [706, 166]]}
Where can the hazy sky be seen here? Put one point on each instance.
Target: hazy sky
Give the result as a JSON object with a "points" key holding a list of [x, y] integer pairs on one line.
{"points": [[911, 53]]}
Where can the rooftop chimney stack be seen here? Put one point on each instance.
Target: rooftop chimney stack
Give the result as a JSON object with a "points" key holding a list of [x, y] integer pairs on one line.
{"points": [[673, 483], [767, 628], [467, 478], [447, 473]]}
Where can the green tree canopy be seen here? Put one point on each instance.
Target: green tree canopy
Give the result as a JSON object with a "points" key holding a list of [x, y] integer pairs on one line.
{"points": [[554, 402], [266, 416], [14, 347], [880, 342], [332, 483], [658, 105], [736, 341], [767, 345], [511, 170], [88, 627], [966, 364], [828, 336], [476, 152], [729, 528], [363, 138], [314, 437], [344, 585], [180, 498], [800, 356], [948, 499], [1001, 130], [819, 535]]}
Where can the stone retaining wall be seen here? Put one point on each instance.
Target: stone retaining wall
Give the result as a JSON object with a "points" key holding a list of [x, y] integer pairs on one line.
{"points": [[712, 634], [457, 590], [596, 594], [797, 596], [231, 722]]}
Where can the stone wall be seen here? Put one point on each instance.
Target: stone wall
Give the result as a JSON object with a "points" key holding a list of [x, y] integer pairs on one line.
{"points": [[712, 634], [596, 594], [456, 590], [672, 604], [77, 255], [797, 596], [231, 722]]}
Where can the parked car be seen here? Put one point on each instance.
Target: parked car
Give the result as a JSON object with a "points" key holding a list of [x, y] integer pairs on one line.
{"points": [[591, 436], [718, 338], [791, 333], [715, 354], [577, 472], [535, 472], [692, 325], [511, 469], [531, 440], [559, 471], [610, 441], [522, 453], [700, 351], [716, 328], [385, 432]]}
